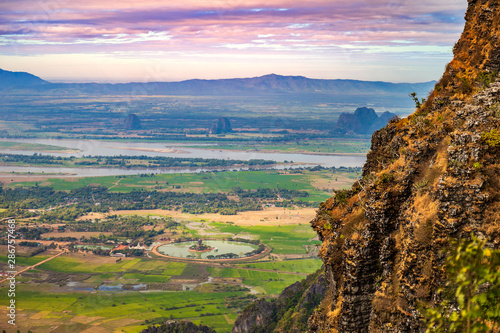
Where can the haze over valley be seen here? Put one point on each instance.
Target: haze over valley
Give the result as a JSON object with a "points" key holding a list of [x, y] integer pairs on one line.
{"points": [[244, 167]]}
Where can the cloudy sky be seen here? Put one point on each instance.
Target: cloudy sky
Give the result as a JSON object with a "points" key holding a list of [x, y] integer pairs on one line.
{"points": [[149, 40]]}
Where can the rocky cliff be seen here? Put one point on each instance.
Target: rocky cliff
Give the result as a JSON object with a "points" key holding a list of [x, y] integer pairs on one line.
{"points": [[429, 178], [286, 314]]}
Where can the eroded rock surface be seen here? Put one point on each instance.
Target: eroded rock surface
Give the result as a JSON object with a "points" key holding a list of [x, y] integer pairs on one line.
{"points": [[430, 178]]}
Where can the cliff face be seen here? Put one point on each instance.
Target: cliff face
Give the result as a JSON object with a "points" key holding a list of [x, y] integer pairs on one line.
{"points": [[286, 314], [429, 178]]}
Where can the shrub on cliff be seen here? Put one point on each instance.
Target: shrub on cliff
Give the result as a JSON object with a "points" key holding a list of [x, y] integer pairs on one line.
{"points": [[471, 297]]}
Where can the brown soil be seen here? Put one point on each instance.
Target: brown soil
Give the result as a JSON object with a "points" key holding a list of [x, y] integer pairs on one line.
{"points": [[264, 217]]}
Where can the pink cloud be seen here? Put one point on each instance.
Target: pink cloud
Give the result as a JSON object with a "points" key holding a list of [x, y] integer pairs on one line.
{"points": [[308, 28]]}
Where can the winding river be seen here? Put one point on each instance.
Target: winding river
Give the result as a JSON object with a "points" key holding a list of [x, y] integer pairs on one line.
{"points": [[114, 148]]}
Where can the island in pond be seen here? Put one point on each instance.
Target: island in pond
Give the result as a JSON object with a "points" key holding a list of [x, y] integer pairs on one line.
{"points": [[200, 247]]}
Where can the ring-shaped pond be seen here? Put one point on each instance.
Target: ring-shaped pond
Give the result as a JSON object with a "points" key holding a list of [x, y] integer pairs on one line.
{"points": [[210, 249]]}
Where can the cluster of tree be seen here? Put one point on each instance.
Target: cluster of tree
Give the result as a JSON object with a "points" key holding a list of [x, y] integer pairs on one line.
{"points": [[97, 199], [223, 256], [64, 239], [32, 233], [135, 234], [64, 213], [29, 244], [268, 193], [129, 161], [17, 212], [36, 158], [29, 197], [100, 251], [38, 250], [292, 203], [224, 206], [239, 301], [99, 240], [261, 248], [122, 227], [68, 206], [177, 327], [138, 200]]}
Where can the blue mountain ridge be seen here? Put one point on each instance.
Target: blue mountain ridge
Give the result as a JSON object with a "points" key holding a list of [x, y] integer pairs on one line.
{"points": [[263, 85]]}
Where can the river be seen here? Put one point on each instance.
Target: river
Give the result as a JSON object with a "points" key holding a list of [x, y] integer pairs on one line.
{"points": [[114, 148]]}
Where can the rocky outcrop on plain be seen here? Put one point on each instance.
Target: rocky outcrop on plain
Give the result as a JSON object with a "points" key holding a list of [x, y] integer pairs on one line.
{"points": [[222, 126], [363, 121], [132, 122], [429, 179]]}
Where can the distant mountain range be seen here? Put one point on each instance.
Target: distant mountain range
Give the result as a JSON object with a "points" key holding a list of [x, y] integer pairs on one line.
{"points": [[19, 80], [263, 85]]}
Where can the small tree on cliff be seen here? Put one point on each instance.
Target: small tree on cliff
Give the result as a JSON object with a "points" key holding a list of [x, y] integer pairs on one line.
{"points": [[471, 297], [418, 102]]}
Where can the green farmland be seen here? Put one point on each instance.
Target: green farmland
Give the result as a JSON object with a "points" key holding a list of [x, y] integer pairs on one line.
{"points": [[86, 291]]}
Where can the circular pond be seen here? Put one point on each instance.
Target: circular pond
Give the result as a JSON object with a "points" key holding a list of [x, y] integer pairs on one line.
{"points": [[211, 250]]}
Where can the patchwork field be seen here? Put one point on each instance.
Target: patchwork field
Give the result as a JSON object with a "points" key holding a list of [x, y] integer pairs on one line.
{"points": [[75, 292], [84, 291], [318, 184]]}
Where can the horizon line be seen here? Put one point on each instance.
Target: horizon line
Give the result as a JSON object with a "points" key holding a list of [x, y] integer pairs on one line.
{"points": [[106, 80]]}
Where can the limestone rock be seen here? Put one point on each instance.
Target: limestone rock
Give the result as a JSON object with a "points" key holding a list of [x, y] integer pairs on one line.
{"points": [[222, 126], [132, 122], [362, 121]]}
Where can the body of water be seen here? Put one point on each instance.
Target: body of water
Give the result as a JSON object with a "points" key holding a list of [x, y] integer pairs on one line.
{"points": [[115, 148], [181, 250]]}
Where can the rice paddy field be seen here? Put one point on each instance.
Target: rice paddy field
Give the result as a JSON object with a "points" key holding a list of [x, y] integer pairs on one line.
{"points": [[318, 184], [83, 292], [80, 293]]}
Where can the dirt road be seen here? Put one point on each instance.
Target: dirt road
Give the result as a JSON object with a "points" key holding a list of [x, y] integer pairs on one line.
{"points": [[31, 267]]}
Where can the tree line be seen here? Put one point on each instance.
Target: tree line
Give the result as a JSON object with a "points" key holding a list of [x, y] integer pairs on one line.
{"points": [[128, 161]]}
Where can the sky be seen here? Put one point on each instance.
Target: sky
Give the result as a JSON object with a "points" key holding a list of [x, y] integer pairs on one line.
{"points": [[149, 40]]}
